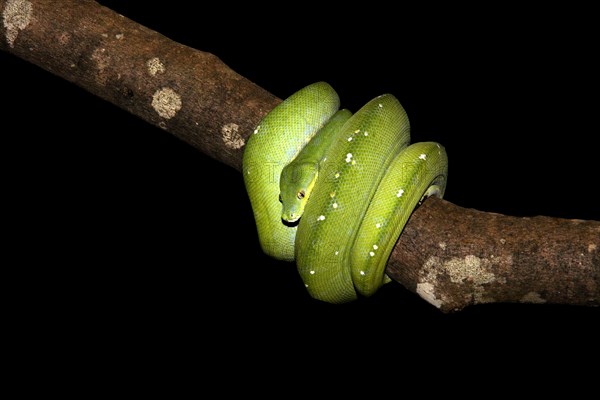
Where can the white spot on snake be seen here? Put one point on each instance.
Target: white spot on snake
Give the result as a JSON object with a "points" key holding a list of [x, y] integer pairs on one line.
{"points": [[155, 66], [337, 252], [362, 273], [16, 17], [332, 194], [306, 285], [166, 102], [356, 131], [375, 247], [325, 159], [380, 105], [335, 205], [349, 155], [353, 162], [378, 225], [321, 218], [312, 272], [231, 136], [372, 254], [400, 193], [257, 129], [423, 156], [350, 139], [366, 133], [337, 174]]}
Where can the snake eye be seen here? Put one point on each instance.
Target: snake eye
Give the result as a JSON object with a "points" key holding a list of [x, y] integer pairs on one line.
{"points": [[301, 194]]}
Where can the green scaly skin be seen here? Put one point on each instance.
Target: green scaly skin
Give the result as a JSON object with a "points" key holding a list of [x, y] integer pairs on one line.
{"points": [[355, 186], [299, 177]]}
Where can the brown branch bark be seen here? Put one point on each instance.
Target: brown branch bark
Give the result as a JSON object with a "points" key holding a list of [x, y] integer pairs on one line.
{"points": [[451, 256]]}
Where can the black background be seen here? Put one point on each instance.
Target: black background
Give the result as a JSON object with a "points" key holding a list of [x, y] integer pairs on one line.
{"points": [[143, 237]]}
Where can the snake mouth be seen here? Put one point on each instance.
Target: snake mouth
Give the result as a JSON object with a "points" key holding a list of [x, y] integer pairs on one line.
{"points": [[290, 221]]}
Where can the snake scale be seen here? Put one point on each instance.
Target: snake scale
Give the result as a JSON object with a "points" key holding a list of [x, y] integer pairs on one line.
{"points": [[333, 190]]}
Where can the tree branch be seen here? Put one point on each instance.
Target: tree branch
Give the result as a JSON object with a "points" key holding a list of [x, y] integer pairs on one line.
{"points": [[451, 256]]}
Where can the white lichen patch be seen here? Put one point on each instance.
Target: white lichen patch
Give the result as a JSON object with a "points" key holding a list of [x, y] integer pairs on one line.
{"points": [[592, 247], [16, 16], [155, 66], [102, 60], [532, 297], [443, 246], [64, 38], [470, 270], [231, 136], [166, 102], [119, 36], [427, 292]]}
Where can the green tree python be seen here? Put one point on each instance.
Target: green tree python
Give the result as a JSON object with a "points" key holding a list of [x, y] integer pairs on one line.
{"points": [[333, 190]]}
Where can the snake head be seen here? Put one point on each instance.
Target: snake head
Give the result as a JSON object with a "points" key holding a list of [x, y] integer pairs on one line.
{"points": [[296, 184]]}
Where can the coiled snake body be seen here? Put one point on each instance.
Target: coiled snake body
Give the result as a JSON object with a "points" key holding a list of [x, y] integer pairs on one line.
{"points": [[333, 190]]}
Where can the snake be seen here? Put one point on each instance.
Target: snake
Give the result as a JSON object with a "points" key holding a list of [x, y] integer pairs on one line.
{"points": [[333, 190]]}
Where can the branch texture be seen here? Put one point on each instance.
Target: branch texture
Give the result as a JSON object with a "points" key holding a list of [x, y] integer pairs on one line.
{"points": [[451, 256]]}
